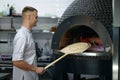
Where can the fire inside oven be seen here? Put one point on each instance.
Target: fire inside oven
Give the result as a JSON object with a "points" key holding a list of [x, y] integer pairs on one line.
{"points": [[81, 33]]}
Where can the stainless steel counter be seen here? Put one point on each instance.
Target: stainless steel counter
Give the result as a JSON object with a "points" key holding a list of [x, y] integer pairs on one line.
{"points": [[4, 75]]}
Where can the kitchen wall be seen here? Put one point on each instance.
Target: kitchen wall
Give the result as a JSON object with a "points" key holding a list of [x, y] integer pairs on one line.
{"points": [[45, 7], [41, 33], [5, 43]]}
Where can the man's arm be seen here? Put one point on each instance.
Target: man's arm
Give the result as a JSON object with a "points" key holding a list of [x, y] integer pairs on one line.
{"points": [[25, 66]]}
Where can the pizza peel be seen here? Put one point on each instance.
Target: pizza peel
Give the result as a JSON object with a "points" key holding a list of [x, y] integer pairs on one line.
{"points": [[74, 48]]}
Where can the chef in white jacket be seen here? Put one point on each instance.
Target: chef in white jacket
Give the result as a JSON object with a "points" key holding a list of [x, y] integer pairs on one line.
{"points": [[24, 54]]}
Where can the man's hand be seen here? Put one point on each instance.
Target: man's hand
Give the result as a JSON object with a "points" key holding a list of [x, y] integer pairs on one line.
{"points": [[40, 70]]}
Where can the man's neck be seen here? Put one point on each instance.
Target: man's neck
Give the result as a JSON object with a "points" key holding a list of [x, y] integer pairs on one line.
{"points": [[27, 25]]}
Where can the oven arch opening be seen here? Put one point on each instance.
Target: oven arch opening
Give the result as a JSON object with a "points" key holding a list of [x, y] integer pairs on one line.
{"points": [[84, 24], [81, 33]]}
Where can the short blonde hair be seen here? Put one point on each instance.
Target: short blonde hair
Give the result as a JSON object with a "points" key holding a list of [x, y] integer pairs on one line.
{"points": [[28, 8]]}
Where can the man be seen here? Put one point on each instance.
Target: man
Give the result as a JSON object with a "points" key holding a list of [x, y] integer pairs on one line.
{"points": [[24, 54]]}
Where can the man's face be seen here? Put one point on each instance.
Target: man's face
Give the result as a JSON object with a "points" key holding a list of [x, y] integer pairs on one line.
{"points": [[34, 18]]}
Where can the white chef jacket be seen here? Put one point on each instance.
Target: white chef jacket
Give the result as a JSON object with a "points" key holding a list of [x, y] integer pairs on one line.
{"points": [[24, 49]]}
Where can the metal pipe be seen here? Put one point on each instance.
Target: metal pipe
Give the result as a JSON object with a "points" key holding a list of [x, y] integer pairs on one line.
{"points": [[116, 39]]}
